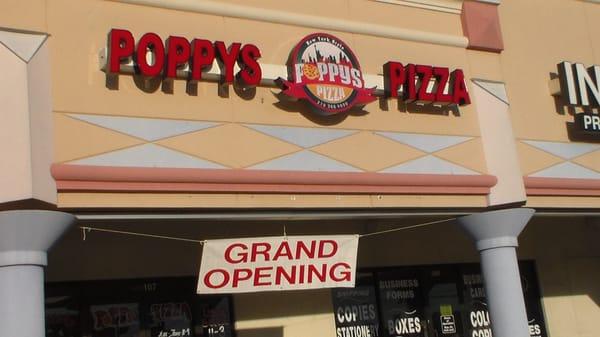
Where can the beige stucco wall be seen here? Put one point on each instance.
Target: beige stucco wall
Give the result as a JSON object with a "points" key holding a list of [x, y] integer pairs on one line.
{"points": [[79, 87], [84, 91], [534, 45]]}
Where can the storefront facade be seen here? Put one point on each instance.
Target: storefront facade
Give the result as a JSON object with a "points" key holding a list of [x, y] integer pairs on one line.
{"points": [[212, 120]]}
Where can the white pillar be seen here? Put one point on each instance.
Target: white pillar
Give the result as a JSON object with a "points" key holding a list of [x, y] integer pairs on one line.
{"points": [[25, 237], [495, 234]]}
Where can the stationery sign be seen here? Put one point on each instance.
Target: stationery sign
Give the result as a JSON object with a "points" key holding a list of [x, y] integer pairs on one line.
{"points": [[277, 263]]}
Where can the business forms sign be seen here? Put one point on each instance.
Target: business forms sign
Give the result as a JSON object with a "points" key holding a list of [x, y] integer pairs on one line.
{"points": [[322, 70], [580, 87]]}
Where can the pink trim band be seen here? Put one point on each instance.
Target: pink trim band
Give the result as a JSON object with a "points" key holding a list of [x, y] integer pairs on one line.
{"points": [[562, 186], [132, 179]]}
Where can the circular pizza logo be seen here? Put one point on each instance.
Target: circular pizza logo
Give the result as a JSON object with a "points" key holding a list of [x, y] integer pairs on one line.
{"points": [[325, 72]]}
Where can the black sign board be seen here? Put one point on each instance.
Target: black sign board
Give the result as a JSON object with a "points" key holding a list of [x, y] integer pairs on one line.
{"points": [[587, 123], [355, 309], [401, 302], [531, 292], [476, 317]]}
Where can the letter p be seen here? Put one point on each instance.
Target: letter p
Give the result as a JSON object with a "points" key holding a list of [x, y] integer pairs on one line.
{"points": [[120, 46]]}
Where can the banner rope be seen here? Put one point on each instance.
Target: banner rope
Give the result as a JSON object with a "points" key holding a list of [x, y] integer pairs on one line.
{"points": [[405, 228], [87, 229]]}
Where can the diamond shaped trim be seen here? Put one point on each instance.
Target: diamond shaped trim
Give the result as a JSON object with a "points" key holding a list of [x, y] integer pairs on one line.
{"points": [[533, 159], [149, 129], [304, 137], [147, 155], [231, 145], [567, 170], [427, 143], [590, 160], [468, 154], [75, 139], [305, 161], [368, 151], [429, 165], [563, 150]]}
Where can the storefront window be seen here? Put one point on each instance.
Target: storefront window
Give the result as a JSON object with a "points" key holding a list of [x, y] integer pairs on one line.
{"points": [[429, 301], [135, 308]]}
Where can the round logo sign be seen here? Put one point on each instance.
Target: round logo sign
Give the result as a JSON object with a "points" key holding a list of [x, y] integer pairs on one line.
{"points": [[325, 72]]}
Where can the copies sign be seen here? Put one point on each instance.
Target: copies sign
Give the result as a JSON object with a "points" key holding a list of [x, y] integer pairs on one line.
{"points": [[277, 263]]}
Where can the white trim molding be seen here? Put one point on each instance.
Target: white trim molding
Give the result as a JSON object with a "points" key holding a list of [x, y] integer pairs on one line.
{"points": [[304, 20]]}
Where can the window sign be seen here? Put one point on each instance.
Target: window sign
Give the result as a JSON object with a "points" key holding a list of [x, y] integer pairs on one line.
{"points": [[434, 301], [355, 309], [400, 302], [135, 308]]}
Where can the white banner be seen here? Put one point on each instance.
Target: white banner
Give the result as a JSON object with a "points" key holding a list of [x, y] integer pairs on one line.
{"points": [[277, 263]]}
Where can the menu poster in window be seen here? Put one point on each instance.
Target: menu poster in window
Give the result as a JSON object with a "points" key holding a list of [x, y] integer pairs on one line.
{"points": [[115, 320], [355, 309], [169, 319], [401, 303], [213, 316], [531, 292], [62, 317], [476, 315]]}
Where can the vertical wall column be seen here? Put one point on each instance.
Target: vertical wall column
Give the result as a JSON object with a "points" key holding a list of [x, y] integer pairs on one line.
{"points": [[25, 237], [495, 234]]}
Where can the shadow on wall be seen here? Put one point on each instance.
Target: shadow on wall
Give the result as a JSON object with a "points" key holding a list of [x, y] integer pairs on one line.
{"points": [[567, 258]]}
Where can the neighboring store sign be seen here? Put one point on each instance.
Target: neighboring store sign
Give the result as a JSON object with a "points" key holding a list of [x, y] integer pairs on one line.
{"points": [[277, 263], [587, 123], [322, 70], [325, 72], [580, 87]]}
